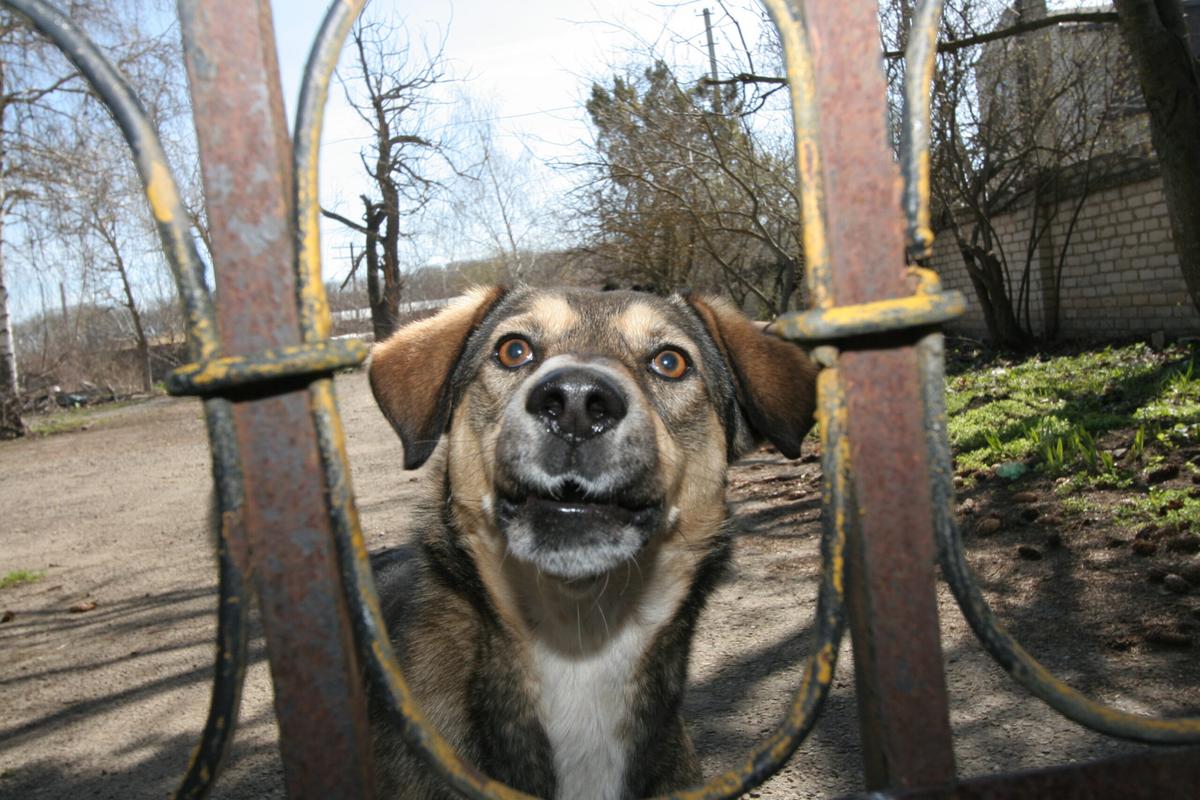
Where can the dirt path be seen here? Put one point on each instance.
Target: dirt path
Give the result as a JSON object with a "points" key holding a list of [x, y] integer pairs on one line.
{"points": [[108, 703]]}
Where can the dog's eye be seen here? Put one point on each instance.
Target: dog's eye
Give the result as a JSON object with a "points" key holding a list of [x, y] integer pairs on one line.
{"points": [[670, 364], [514, 351]]}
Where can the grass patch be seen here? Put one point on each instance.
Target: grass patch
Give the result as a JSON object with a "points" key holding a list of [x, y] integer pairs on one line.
{"points": [[20, 577], [1100, 415], [1166, 505], [73, 419]]}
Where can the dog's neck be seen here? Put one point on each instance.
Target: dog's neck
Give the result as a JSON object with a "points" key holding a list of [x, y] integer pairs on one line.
{"points": [[591, 648], [588, 642]]}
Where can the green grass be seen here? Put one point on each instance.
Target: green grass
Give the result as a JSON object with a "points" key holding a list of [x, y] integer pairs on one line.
{"points": [[73, 419], [1164, 505], [20, 577], [1069, 413]]}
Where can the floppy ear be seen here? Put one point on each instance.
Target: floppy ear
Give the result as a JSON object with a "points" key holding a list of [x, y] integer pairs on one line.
{"points": [[410, 371], [776, 383]]}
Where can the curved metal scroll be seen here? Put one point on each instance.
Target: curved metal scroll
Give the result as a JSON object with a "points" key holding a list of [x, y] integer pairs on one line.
{"points": [[919, 60], [173, 229], [931, 306], [1007, 652], [316, 359], [212, 375], [376, 649]]}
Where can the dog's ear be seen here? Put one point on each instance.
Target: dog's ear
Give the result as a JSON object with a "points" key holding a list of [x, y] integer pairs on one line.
{"points": [[410, 371], [776, 383]]}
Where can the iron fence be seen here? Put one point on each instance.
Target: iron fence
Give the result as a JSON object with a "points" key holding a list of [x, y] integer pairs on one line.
{"points": [[287, 519]]}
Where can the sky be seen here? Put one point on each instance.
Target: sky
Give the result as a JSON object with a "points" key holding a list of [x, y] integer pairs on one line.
{"points": [[531, 62]]}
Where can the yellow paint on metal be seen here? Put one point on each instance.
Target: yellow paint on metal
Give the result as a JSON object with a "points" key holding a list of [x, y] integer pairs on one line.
{"points": [[803, 89], [277, 362], [928, 281], [817, 324], [923, 232], [316, 322], [1065, 694], [160, 191]]}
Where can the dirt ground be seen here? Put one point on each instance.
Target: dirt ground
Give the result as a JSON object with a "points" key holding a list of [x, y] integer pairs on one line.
{"points": [[108, 702]]}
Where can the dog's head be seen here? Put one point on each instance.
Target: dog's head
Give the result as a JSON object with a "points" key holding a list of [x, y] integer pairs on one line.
{"points": [[584, 424]]}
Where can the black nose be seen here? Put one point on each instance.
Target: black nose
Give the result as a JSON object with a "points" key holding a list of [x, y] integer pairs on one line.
{"points": [[576, 403]]}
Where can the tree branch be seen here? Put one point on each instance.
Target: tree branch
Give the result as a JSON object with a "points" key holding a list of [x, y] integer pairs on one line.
{"points": [[953, 45], [333, 215], [1025, 26]]}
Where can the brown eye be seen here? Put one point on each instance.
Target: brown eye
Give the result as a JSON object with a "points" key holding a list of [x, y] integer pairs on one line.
{"points": [[514, 351], [670, 364]]}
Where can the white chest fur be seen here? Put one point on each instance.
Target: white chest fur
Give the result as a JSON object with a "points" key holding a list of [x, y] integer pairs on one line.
{"points": [[585, 703]]}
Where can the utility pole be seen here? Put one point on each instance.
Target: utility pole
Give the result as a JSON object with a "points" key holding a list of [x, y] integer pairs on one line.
{"points": [[712, 63]]}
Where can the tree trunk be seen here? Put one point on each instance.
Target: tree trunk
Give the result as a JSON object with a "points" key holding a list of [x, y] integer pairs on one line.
{"points": [[1156, 35], [987, 276], [11, 424], [143, 344], [392, 284], [382, 321]]}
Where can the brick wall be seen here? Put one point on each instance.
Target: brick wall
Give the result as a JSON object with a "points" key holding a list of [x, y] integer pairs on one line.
{"points": [[1120, 277]]}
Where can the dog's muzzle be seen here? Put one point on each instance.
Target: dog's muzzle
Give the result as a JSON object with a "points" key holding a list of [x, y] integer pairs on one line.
{"points": [[576, 481]]}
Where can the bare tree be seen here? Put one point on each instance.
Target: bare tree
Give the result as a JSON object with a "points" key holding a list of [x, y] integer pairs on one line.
{"points": [[390, 86], [496, 204], [1021, 121], [40, 96]]}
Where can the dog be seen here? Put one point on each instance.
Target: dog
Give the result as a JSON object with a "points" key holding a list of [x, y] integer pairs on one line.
{"points": [[577, 524]]}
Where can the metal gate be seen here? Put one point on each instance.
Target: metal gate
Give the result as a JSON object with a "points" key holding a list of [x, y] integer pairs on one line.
{"points": [[288, 523]]}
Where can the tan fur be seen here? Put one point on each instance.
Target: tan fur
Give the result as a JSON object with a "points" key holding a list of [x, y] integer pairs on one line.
{"points": [[639, 322], [409, 369], [553, 314], [775, 378]]}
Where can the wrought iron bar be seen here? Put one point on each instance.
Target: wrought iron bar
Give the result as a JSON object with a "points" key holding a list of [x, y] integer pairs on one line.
{"points": [[1144, 776], [383, 666], [873, 303], [246, 160], [889, 567], [173, 228], [920, 57]]}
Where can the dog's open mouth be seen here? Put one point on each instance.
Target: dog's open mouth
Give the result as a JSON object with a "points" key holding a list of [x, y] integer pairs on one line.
{"points": [[572, 533]]}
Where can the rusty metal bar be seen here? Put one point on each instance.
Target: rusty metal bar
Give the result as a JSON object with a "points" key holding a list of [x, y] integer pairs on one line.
{"points": [[920, 57], [246, 165], [284, 520], [890, 580]]}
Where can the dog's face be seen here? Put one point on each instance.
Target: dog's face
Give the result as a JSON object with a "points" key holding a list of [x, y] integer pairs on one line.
{"points": [[585, 425]]}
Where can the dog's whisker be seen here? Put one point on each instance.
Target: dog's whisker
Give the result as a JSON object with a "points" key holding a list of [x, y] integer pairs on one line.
{"points": [[604, 622], [599, 607], [638, 567]]}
